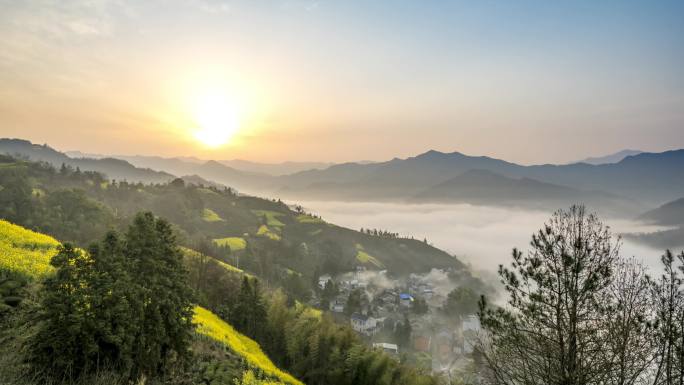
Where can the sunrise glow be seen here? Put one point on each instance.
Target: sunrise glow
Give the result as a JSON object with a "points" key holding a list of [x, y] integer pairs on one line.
{"points": [[217, 117]]}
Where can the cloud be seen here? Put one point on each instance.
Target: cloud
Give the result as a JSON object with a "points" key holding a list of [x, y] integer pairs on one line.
{"points": [[481, 236]]}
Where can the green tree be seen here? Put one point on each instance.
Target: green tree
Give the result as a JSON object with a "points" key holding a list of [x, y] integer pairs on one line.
{"points": [[15, 194], [329, 292], [403, 332], [249, 313], [668, 299], [64, 346], [461, 302], [553, 331], [354, 302], [419, 306], [157, 266], [115, 305], [125, 305]]}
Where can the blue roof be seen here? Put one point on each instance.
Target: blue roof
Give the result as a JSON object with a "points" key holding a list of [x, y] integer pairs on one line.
{"points": [[404, 296]]}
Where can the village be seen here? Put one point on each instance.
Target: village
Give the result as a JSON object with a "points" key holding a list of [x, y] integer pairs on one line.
{"points": [[404, 317]]}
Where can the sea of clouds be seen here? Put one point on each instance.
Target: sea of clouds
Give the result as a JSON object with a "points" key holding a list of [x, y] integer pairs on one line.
{"points": [[482, 236]]}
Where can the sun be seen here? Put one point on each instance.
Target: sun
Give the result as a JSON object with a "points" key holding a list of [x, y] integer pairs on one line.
{"points": [[217, 117]]}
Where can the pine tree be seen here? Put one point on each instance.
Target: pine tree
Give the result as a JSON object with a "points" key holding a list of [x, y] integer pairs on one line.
{"points": [[64, 345], [166, 298], [115, 304], [559, 302], [125, 305]]}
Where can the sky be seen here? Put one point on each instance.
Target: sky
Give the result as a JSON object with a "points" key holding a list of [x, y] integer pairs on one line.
{"points": [[525, 81]]}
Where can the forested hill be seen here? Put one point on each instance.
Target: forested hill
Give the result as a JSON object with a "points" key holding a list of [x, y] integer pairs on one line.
{"points": [[262, 236], [114, 168]]}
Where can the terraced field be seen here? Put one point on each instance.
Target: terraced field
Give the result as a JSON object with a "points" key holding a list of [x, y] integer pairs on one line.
{"points": [[235, 243], [365, 258], [265, 231], [271, 217], [209, 215]]}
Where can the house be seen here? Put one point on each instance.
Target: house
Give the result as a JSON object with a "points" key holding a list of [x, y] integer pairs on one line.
{"points": [[388, 348], [405, 300], [364, 324], [323, 280]]}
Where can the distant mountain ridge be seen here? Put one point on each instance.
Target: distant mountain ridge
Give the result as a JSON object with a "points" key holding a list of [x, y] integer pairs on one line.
{"points": [[111, 167], [611, 158], [486, 187], [650, 178], [158, 163], [629, 186]]}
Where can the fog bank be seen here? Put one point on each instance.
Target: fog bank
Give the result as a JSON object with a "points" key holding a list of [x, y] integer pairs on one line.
{"points": [[481, 236]]}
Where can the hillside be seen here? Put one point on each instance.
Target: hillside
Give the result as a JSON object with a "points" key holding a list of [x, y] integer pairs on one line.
{"points": [[488, 188], [24, 261], [113, 168], [273, 236], [669, 214], [210, 325]]}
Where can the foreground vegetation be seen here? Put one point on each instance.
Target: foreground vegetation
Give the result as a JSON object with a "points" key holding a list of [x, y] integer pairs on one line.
{"points": [[579, 313], [121, 310]]}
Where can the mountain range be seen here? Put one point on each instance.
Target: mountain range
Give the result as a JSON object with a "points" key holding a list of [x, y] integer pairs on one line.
{"points": [[628, 187], [161, 163], [114, 168]]}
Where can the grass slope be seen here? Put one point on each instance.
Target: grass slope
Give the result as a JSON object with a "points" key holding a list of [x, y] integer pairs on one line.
{"points": [[210, 325]]}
